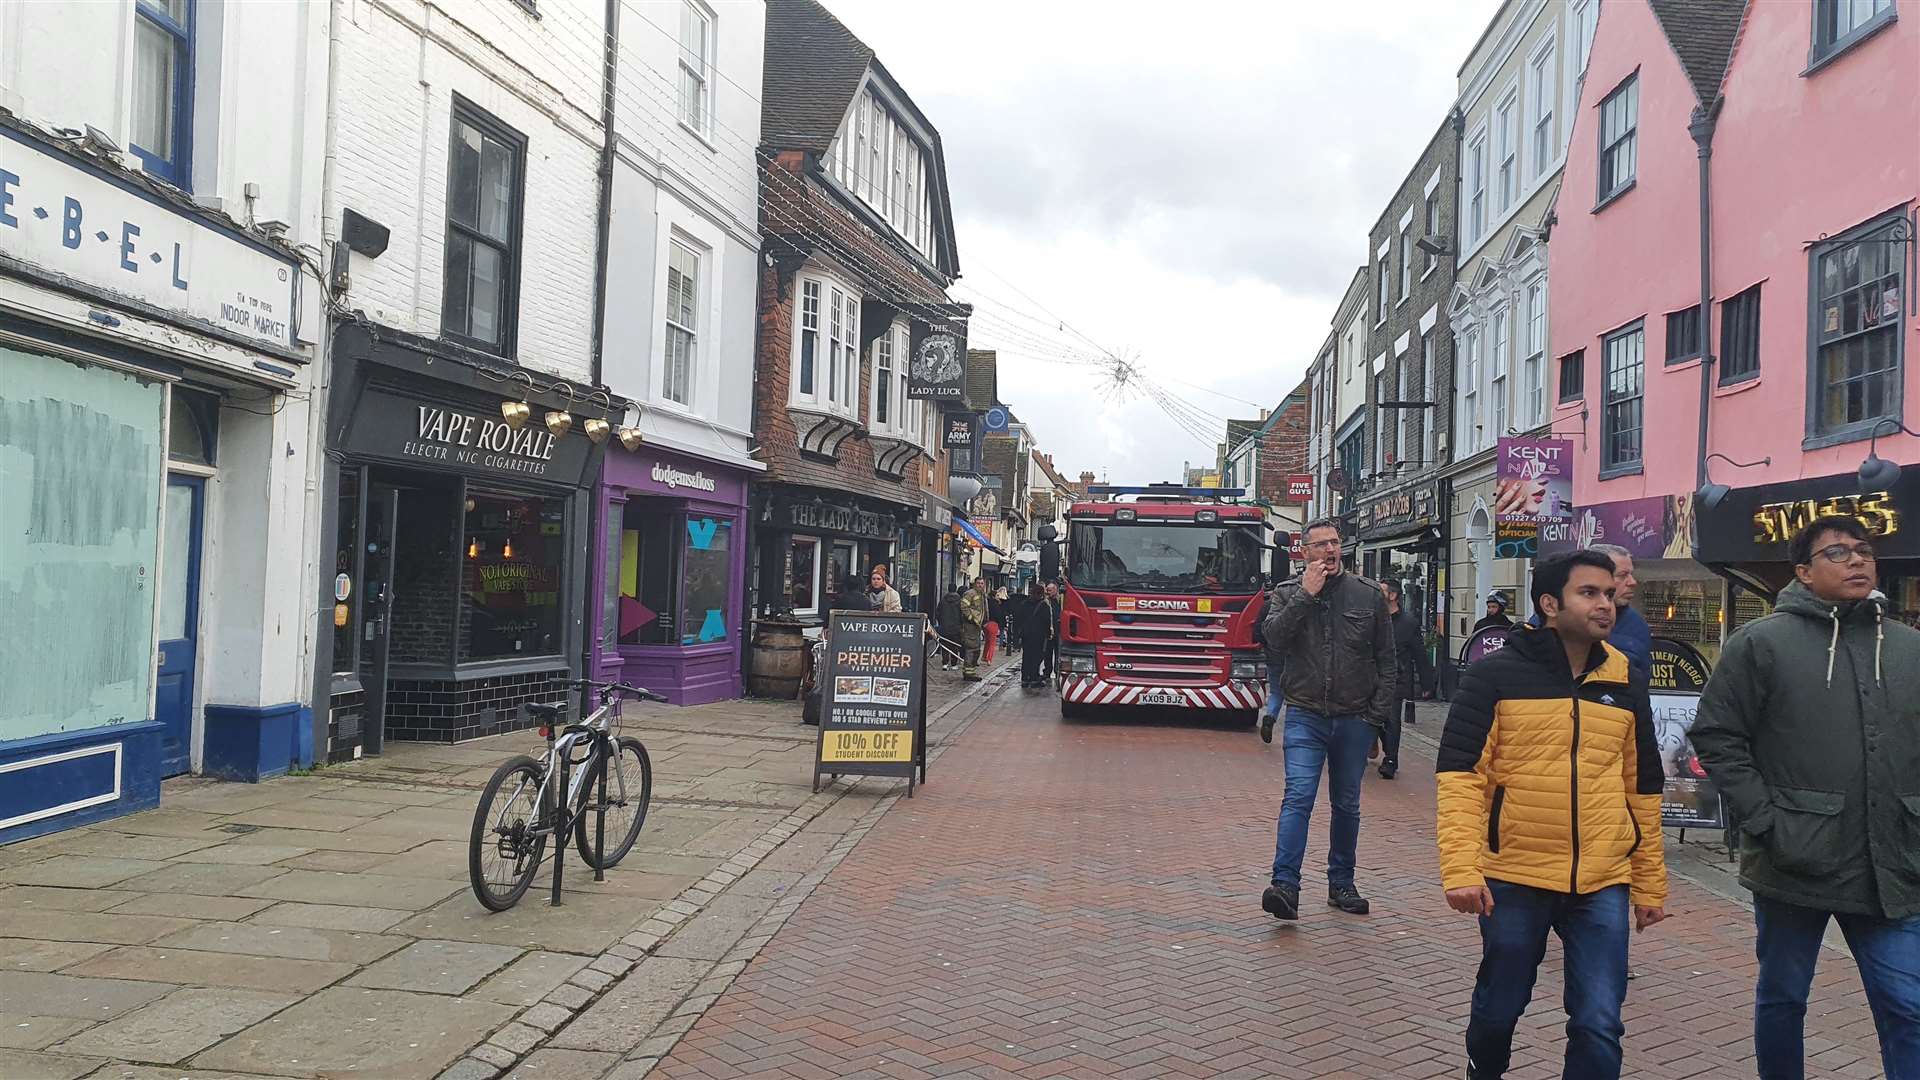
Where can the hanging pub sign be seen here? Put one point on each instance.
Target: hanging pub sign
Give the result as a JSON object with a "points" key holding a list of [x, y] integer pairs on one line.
{"points": [[873, 720], [1679, 675], [937, 370], [960, 431], [1755, 524]]}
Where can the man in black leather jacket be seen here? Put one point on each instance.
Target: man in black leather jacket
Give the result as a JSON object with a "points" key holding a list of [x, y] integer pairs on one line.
{"points": [[1340, 681]]}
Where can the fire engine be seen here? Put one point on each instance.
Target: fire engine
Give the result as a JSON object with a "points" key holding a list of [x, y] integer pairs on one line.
{"points": [[1163, 585]]}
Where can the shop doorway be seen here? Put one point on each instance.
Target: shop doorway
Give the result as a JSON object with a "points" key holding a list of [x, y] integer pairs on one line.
{"points": [[376, 617], [179, 620]]}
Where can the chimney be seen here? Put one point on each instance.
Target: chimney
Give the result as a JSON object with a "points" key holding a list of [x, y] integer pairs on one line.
{"points": [[1086, 478]]}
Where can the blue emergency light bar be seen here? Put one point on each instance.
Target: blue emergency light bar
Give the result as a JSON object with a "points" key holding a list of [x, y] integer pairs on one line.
{"points": [[1167, 489]]}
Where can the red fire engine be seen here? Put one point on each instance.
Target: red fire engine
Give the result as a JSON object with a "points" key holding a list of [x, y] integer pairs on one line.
{"points": [[1163, 585]]}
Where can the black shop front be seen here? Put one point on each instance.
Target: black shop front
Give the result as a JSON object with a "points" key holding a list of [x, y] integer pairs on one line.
{"points": [[456, 527], [812, 542]]}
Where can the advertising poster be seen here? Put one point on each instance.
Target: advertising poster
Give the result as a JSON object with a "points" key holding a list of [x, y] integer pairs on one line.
{"points": [[1486, 640], [1534, 479], [1679, 675], [873, 720], [1639, 525]]}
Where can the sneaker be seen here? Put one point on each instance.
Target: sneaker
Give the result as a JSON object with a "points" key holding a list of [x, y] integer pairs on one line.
{"points": [[1266, 727], [1281, 901], [1347, 899]]}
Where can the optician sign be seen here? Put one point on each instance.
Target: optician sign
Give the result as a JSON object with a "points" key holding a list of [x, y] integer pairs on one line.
{"points": [[83, 224]]}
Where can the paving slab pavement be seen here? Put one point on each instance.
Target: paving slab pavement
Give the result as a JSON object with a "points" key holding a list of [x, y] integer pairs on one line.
{"points": [[321, 925]]}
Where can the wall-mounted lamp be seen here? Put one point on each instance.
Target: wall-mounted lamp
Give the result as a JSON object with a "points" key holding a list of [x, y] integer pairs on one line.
{"points": [[473, 549], [1712, 495], [1877, 473], [506, 551], [599, 427], [515, 413], [560, 421]]}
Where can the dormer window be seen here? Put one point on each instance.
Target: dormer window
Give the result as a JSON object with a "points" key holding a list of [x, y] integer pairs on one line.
{"points": [[878, 158]]}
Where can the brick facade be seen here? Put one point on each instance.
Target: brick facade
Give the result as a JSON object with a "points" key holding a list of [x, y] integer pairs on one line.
{"points": [[1283, 449]]}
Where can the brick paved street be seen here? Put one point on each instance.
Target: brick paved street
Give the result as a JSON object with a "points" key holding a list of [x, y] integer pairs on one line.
{"points": [[1080, 899]]}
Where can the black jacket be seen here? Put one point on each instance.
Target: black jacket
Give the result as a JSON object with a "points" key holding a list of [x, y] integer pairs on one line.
{"points": [[947, 618], [1036, 625], [1338, 647], [1410, 656]]}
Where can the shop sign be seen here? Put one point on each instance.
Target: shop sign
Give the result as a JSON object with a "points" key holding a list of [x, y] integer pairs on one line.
{"points": [[960, 431], [1299, 487], [1486, 641], [674, 478], [938, 371], [832, 517], [1402, 508], [1533, 487], [1642, 526], [873, 719], [1755, 524], [428, 433], [996, 418], [1689, 799], [86, 225]]}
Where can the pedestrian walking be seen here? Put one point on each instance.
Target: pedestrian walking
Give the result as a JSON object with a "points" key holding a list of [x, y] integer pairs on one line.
{"points": [[1339, 679], [996, 618], [950, 620], [973, 627], [1807, 729], [880, 595], [1412, 671], [1276, 667], [1530, 841], [1036, 631], [1053, 643]]}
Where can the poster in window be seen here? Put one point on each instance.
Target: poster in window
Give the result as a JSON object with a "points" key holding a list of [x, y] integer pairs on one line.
{"points": [[706, 580], [1689, 800]]}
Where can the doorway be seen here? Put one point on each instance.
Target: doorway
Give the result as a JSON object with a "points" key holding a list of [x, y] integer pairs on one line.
{"points": [[178, 620], [376, 616]]}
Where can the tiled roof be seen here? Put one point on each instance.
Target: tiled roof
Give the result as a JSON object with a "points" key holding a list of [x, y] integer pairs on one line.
{"points": [[1702, 33], [983, 377], [813, 66]]}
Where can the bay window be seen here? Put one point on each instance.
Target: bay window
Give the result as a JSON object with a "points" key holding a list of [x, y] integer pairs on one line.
{"points": [[826, 356]]}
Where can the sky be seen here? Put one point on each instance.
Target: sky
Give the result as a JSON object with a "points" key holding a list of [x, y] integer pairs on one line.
{"points": [[1192, 194]]}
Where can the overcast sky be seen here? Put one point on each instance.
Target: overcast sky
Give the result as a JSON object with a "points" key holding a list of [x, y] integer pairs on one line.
{"points": [[1188, 184]]}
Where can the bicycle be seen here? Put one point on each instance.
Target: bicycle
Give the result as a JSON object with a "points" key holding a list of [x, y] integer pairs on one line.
{"points": [[610, 782]]}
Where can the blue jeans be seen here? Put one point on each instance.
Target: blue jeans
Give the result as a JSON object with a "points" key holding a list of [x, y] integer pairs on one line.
{"points": [[1888, 952], [1339, 745], [1513, 940], [1275, 698]]}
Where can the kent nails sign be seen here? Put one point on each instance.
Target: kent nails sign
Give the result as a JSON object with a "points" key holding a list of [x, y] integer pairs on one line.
{"points": [[83, 224]]}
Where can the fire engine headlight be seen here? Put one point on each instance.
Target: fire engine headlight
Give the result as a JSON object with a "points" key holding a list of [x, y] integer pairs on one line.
{"points": [[1249, 669], [1079, 665]]}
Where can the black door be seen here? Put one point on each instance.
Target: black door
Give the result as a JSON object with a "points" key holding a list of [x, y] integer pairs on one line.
{"points": [[383, 504]]}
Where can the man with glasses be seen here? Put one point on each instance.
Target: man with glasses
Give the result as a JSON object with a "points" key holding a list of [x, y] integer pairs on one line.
{"points": [[1807, 728], [1339, 681]]}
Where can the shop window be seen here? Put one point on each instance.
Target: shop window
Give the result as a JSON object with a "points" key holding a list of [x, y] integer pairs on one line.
{"points": [[193, 427], [486, 160], [612, 565], [648, 549], [1690, 611], [675, 575], [78, 555], [803, 575], [163, 88], [706, 579], [346, 551], [843, 561], [1748, 606], [511, 577]]}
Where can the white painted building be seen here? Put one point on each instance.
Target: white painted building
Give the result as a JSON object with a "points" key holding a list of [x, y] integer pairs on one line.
{"points": [[161, 330], [465, 428]]}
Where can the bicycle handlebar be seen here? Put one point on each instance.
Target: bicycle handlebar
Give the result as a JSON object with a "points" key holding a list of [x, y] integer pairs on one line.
{"points": [[638, 692]]}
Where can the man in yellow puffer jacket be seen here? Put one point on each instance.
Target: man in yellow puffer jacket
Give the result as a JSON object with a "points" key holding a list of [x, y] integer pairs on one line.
{"points": [[1549, 793]]}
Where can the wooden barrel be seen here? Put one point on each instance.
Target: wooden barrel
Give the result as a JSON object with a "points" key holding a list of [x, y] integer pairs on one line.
{"points": [[779, 660]]}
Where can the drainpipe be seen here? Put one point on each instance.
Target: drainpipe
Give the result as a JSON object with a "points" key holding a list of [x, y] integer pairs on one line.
{"points": [[596, 506], [1701, 128]]}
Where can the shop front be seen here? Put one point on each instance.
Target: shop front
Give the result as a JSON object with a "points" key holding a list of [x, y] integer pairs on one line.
{"points": [[815, 545], [153, 457], [459, 552], [672, 559], [1402, 537]]}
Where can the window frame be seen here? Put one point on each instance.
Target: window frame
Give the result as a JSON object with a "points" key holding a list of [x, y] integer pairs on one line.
{"points": [[1379, 427], [1429, 423], [1630, 137], [903, 421], [1816, 435], [1698, 336], [1469, 356], [1586, 20], [1578, 360], [1740, 336], [1609, 465], [704, 78], [1432, 227], [1543, 89], [464, 111], [1821, 53], [1506, 117], [176, 169], [669, 326], [818, 593], [1477, 185], [1500, 335], [1384, 286], [1406, 262]]}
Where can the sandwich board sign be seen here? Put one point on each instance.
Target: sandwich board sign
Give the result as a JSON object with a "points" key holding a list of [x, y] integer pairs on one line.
{"points": [[873, 716]]}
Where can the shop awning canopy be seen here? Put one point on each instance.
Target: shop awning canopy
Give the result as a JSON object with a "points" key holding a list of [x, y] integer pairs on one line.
{"points": [[979, 539]]}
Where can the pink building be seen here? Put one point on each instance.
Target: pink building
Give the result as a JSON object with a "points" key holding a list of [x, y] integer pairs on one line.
{"points": [[1811, 112]]}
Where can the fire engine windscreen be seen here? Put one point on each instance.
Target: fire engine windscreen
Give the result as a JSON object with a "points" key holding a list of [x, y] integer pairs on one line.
{"points": [[1164, 558]]}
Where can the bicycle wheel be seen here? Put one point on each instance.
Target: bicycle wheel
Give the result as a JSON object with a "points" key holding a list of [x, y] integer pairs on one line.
{"points": [[629, 790], [505, 849]]}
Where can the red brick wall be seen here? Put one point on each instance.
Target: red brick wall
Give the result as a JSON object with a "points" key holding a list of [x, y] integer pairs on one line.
{"points": [[1283, 450]]}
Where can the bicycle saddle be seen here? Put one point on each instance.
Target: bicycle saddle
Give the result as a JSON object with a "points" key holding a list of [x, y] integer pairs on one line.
{"points": [[546, 713]]}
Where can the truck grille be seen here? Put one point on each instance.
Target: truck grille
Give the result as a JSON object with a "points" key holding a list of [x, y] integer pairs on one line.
{"points": [[1163, 648]]}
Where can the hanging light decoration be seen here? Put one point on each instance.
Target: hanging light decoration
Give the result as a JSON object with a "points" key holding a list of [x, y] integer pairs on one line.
{"points": [[506, 552], [515, 413], [473, 549], [599, 427], [560, 421]]}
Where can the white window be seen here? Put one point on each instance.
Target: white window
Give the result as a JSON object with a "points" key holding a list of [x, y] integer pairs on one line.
{"points": [[1507, 122], [1380, 424], [843, 353], [1500, 369], [1536, 348], [1406, 261], [683, 324], [1470, 419], [1540, 90], [803, 575], [1428, 392], [886, 410], [1586, 14], [1407, 416], [696, 61], [807, 351], [858, 157], [1384, 278], [910, 408], [877, 154], [826, 358], [1477, 187]]}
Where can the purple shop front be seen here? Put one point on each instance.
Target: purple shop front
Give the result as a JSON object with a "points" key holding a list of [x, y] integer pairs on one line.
{"points": [[670, 572]]}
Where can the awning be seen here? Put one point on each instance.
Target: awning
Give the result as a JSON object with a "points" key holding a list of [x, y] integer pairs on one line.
{"points": [[966, 529]]}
